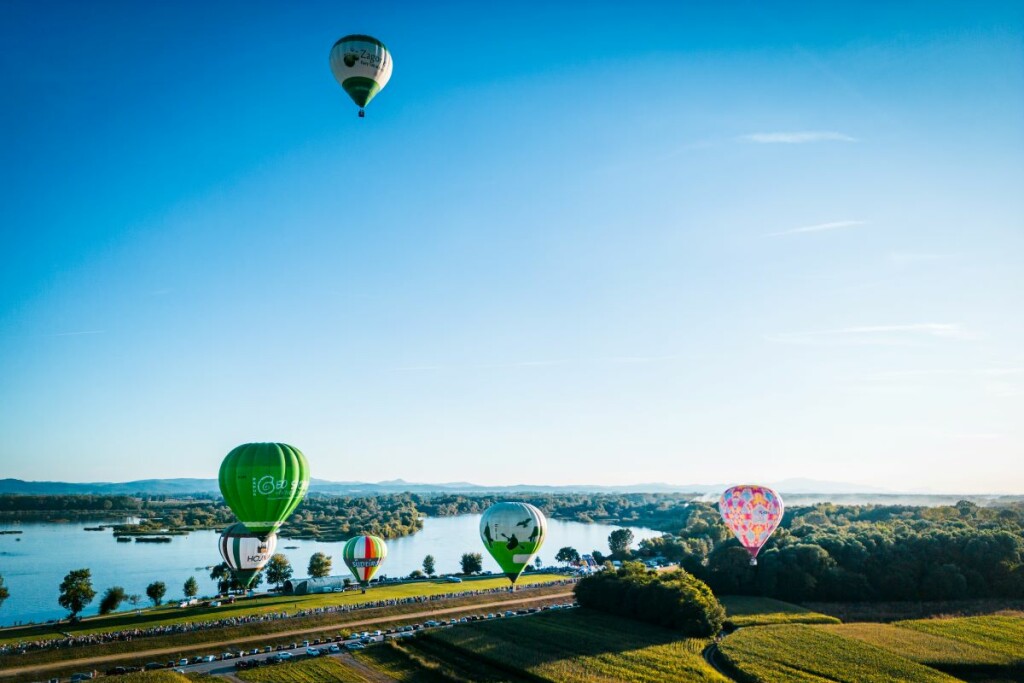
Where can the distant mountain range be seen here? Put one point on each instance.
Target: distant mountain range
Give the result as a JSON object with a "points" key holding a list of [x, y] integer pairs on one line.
{"points": [[186, 486]]}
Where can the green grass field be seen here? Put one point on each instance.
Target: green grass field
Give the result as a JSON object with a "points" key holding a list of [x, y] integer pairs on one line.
{"points": [[568, 646], [168, 614], [801, 653], [998, 634], [319, 670], [743, 610]]}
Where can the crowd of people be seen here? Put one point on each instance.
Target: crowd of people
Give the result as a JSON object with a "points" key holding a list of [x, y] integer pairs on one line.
{"points": [[130, 634]]}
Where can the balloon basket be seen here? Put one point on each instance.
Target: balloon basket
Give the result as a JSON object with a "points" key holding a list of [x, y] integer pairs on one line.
{"points": [[362, 114], [753, 562]]}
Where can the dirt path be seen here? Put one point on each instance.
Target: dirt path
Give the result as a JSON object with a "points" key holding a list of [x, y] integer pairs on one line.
{"points": [[91, 662]]}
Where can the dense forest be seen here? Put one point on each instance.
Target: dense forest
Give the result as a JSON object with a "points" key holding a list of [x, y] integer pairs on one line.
{"points": [[870, 552]]}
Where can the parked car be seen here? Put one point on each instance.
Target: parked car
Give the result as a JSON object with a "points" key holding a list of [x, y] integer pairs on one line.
{"points": [[183, 662], [284, 656], [453, 579], [312, 652], [209, 658], [333, 648], [355, 646]]}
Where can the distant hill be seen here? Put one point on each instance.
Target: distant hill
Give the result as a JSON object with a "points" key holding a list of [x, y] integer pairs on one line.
{"points": [[186, 486]]}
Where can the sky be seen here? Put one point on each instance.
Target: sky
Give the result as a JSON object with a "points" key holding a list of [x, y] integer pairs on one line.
{"points": [[590, 243]]}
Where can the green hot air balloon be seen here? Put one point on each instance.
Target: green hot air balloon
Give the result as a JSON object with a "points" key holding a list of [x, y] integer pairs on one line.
{"points": [[263, 483], [245, 552], [364, 555], [362, 65], [513, 533]]}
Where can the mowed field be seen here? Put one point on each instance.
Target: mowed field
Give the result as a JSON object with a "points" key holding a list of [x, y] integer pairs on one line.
{"points": [[566, 646], [742, 610], [168, 615]]}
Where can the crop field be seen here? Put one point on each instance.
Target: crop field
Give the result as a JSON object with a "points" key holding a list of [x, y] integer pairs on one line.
{"points": [[921, 646], [801, 653], [743, 610], [1000, 634], [171, 614], [569, 646], [318, 670], [400, 665]]}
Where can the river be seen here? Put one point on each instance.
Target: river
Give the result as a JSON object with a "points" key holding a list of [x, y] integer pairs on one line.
{"points": [[34, 562]]}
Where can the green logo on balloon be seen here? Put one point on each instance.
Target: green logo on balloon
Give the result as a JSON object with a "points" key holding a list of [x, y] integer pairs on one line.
{"points": [[350, 59], [263, 483], [512, 534]]}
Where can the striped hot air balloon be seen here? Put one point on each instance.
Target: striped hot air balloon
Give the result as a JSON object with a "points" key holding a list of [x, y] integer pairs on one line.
{"points": [[362, 66], [245, 552], [364, 555]]}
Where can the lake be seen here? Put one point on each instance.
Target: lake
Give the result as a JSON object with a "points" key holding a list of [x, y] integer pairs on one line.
{"points": [[34, 563]]}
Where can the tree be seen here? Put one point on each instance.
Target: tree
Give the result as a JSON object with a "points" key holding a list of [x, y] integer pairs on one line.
{"points": [[538, 563], [224, 577], [416, 574], [319, 566], [76, 591], [155, 591], [112, 599], [256, 582], [568, 555], [4, 593], [135, 599], [472, 562], [428, 565], [279, 569], [619, 542], [191, 587]]}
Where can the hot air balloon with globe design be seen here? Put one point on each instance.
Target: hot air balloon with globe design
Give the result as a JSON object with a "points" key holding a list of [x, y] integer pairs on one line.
{"points": [[362, 66], [752, 513], [263, 483], [364, 555], [245, 553], [512, 534]]}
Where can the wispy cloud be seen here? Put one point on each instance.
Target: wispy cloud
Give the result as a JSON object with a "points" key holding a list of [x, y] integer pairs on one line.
{"points": [[819, 227], [74, 334], [797, 137], [876, 335]]}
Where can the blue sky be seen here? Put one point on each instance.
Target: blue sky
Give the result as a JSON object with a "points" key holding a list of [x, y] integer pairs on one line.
{"points": [[585, 244]]}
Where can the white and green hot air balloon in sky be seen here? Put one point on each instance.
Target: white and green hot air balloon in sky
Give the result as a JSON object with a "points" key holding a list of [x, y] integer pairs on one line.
{"points": [[245, 552], [512, 534], [362, 65]]}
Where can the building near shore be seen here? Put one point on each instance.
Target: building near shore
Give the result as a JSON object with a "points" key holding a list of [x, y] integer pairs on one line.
{"points": [[327, 584]]}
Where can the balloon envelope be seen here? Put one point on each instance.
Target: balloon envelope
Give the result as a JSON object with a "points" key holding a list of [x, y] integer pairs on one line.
{"points": [[364, 556], [752, 513], [245, 552], [263, 483], [362, 66], [512, 534]]}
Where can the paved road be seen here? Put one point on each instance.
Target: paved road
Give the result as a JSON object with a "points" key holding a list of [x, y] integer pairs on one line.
{"points": [[161, 654]]}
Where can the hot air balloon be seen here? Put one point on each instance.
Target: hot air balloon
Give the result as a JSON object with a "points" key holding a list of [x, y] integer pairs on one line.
{"points": [[752, 513], [364, 555], [513, 533], [362, 65], [245, 552], [263, 483]]}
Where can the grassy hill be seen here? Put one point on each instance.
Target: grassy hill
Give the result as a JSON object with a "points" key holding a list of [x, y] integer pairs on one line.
{"points": [[743, 610]]}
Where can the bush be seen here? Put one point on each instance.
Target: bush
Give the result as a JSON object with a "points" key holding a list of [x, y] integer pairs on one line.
{"points": [[675, 600]]}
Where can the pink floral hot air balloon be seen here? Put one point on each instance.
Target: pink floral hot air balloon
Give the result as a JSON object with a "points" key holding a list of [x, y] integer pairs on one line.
{"points": [[752, 513]]}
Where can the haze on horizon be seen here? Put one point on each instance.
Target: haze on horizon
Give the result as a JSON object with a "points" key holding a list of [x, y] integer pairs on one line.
{"points": [[580, 244]]}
